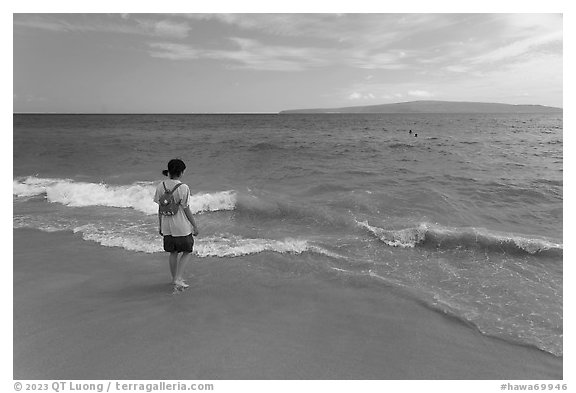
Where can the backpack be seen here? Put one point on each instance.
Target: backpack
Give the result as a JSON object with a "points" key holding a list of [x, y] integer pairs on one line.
{"points": [[168, 206]]}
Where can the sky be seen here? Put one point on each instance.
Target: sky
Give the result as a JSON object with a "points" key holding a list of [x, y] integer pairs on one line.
{"points": [[222, 63]]}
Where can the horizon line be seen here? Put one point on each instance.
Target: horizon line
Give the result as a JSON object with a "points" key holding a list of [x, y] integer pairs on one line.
{"points": [[145, 113], [274, 112]]}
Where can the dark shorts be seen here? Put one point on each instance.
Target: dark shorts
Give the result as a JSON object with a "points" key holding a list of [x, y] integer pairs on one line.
{"points": [[178, 243]]}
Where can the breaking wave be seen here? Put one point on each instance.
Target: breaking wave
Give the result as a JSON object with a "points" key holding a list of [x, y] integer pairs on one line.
{"points": [[428, 235], [138, 196]]}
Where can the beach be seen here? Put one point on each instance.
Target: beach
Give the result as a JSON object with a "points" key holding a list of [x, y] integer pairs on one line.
{"points": [[82, 311]]}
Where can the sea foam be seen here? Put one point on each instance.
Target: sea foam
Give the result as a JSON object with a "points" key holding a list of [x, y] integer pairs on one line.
{"points": [[138, 196], [141, 238], [437, 236], [221, 246]]}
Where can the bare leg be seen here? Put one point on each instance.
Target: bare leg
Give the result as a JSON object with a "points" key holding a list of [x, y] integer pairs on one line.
{"points": [[181, 266], [173, 259]]}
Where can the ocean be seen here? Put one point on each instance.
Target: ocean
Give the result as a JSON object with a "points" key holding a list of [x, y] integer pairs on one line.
{"points": [[465, 218]]}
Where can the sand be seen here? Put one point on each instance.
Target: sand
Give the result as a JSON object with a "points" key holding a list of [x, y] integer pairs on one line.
{"points": [[84, 311]]}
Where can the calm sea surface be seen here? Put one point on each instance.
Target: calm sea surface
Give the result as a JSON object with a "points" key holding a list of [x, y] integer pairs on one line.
{"points": [[465, 218]]}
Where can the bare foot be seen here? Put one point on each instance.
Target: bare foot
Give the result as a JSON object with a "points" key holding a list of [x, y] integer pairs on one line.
{"points": [[181, 284]]}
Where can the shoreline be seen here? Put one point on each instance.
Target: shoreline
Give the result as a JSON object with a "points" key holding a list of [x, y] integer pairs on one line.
{"points": [[84, 311]]}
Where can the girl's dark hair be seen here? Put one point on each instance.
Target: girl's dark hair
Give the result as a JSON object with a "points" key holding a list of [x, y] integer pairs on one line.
{"points": [[175, 168]]}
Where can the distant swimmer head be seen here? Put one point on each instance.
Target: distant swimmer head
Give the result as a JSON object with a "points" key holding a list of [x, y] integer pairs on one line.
{"points": [[175, 168], [410, 132], [416, 135]]}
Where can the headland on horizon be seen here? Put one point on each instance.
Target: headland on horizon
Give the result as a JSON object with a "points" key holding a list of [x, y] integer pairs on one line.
{"points": [[434, 107]]}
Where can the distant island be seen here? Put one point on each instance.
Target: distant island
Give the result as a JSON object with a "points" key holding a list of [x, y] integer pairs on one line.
{"points": [[434, 107]]}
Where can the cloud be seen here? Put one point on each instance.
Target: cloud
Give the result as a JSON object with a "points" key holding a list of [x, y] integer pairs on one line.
{"points": [[361, 96], [253, 54], [420, 93], [436, 45], [290, 25], [363, 47], [372, 61], [75, 23], [390, 91], [363, 31], [457, 68], [248, 54], [528, 24], [100, 23], [165, 28], [518, 48], [396, 42], [537, 80], [172, 51]]}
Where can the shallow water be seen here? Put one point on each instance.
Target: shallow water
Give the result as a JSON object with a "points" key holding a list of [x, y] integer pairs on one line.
{"points": [[466, 218]]}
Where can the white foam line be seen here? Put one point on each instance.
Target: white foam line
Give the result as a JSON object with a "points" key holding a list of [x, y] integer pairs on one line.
{"points": [[138, 196]]}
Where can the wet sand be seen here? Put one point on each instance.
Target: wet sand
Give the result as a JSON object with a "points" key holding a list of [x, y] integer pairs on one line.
{"points": [[84, 311]]}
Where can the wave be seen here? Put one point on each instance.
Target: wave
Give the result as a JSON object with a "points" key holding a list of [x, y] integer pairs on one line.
{"points": [[265, 208], [221, 246], [427, 235], [123, 239], [140, 238], [36, 222], [138, 196], [234, 246]]}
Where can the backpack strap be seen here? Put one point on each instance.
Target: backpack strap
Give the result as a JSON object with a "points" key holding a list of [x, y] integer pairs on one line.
{"points": [[175, 187]]}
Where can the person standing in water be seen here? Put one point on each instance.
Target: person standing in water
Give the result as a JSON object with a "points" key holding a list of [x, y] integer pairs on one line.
{"points": [[177, 228]]}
